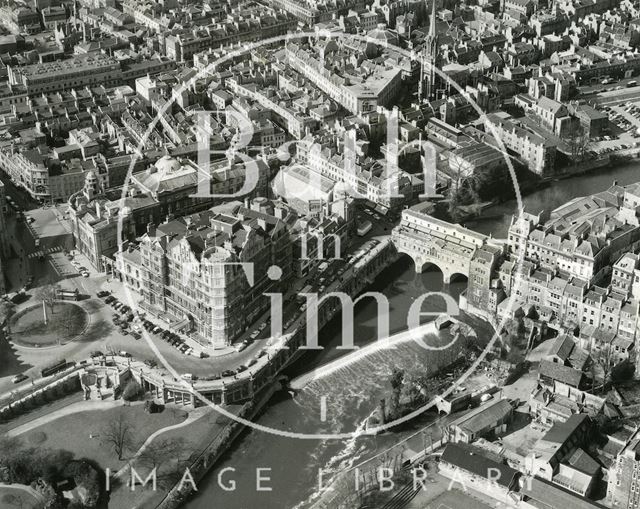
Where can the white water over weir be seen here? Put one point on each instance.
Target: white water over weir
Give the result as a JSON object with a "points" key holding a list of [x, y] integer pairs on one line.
{"points": [[416, 334]]}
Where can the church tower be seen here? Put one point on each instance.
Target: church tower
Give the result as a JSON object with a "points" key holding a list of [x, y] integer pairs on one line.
{"points": [[430, 60]]}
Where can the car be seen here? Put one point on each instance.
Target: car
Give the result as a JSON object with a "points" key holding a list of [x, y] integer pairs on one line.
{"points": [[96, 353], [19, 378], [135, 335], [241, 346], [109, 299], [124, 331], [189, 351], [228, 372], [156, 330], [166, 334], [254, 334], [187, 376], [124, 353], [241, 369], [102, 294]]}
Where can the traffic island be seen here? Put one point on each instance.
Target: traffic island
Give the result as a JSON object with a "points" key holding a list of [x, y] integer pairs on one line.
{"points": [[62, 323]]}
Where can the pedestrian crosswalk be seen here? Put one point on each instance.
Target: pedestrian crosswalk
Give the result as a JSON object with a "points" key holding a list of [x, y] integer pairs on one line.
{"points": [[44, 252]]}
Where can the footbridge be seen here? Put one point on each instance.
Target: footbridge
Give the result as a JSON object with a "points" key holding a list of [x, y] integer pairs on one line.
{"points": [[428, 240]]}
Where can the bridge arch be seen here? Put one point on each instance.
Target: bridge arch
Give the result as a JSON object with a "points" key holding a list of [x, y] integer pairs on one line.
{"points": [[458, 276], [422, 261]]}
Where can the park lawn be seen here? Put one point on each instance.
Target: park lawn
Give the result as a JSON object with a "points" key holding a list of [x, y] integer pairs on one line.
{"points": [[72, 432], [196, 435], [11, 497]]}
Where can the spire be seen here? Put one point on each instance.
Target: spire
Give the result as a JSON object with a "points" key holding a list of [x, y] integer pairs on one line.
{"points": [[432, 20]]}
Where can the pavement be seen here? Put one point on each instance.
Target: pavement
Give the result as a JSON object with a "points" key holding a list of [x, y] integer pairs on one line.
{"points": [[81, 406]]}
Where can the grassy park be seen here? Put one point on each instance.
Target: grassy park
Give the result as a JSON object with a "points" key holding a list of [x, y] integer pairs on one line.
{"points": [[83, 433]]}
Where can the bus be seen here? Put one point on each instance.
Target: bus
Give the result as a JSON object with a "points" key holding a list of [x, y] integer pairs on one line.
{"points": [[54, 368], [68, 294]]}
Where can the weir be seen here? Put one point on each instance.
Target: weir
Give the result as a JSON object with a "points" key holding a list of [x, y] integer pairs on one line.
{"points": [[389, 342]]}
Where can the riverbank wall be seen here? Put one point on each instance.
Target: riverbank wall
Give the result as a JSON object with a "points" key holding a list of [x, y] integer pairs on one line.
{"points": [[208, 457]]}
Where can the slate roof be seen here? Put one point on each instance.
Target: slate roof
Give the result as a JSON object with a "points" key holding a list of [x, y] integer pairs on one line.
{"points": [[560, 373], [473, 460]]}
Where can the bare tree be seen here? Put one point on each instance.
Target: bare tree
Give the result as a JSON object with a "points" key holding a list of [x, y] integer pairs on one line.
{"points": [[465, 187], [118, 432], [66, 319], [577, 139], [48, 294], [160, 452], [604, 360]]}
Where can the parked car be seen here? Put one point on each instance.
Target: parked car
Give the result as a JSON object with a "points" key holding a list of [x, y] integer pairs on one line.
{"points": [[19, 378], [135, 335], [102, 293], [109, 299], [228, 372]]}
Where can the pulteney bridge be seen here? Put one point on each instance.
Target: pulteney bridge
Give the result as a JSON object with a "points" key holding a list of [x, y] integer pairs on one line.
{"points": [[428, 240]]}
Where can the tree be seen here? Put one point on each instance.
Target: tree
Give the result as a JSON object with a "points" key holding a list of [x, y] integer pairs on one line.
{"points": [[166, 456], [131, 391], [577, 139], [66, 320], [86, 476], [118, 432], [603, 360], [467, 186], [47, 293], [6, 310]]}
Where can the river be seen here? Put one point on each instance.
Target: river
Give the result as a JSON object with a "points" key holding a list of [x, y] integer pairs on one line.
{"points": [[352, 393]]}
